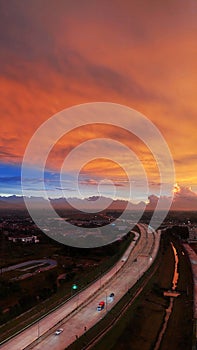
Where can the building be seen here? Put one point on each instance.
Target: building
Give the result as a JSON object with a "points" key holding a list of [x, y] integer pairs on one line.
{"points": [[23, 239]]}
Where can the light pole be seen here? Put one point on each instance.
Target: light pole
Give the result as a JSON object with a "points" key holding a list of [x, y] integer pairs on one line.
{"points": [[100, 278], [74, 288], [116, 270], [106, 298]]}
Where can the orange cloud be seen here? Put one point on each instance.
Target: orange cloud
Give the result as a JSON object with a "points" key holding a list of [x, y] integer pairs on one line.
{"points": [[104, 168], [139, 54], [184, 199]]}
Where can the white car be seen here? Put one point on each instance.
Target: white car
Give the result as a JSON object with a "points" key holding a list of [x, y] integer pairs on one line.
{"points": [[58, 331]]}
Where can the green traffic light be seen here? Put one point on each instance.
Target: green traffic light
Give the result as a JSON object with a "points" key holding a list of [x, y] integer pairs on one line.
{"points": [[74, 286]]}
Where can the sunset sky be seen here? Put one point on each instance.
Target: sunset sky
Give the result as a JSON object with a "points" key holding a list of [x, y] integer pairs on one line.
{"points": [[57, 54]]}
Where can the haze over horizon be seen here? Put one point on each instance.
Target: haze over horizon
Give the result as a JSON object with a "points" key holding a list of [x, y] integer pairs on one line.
{"points": [[183, 200]]}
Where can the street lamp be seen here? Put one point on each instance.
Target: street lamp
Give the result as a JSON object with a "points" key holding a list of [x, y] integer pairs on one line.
{"points": [[106, 298], [100, 277], [74, 288]]}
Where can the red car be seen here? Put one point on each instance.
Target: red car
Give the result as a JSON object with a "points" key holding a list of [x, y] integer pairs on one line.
{"points": [[101, 306]]}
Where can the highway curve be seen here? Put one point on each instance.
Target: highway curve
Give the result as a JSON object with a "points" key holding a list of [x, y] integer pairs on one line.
{"points": [[80, 312]]}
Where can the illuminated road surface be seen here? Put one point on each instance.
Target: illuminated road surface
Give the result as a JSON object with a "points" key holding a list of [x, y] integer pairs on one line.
{"points": [[81, 311]]}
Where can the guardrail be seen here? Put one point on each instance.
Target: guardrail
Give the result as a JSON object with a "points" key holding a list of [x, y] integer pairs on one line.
{"points": [[115, 319]]}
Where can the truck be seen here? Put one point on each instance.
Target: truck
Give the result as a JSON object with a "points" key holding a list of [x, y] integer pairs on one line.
{"points": [[101, 306]]}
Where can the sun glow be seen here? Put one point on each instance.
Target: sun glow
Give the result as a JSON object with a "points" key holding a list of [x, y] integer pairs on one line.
{"points": [[176, 188]]}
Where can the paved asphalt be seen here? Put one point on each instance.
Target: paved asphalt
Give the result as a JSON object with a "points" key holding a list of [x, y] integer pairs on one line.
{"points": [[81, 311]]}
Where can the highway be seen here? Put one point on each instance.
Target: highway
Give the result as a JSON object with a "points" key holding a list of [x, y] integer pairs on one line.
{"points": [[81, 310]]}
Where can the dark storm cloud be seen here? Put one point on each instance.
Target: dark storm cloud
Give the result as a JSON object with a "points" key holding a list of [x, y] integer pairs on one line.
{"points": [[30, 48]]}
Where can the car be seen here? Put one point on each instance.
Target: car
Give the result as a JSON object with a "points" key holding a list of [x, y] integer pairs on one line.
{"points": [[58, 331], [101, 306]]}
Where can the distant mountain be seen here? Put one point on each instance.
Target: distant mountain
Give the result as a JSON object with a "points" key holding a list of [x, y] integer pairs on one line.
{"points": [[17, 202], [95, 203], [11, 202], [184, 199]]}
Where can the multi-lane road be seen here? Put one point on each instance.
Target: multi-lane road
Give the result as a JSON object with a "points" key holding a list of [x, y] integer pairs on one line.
{"points": [[80, 313]]}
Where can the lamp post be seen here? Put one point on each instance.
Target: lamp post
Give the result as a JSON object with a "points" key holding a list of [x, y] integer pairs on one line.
{"points": [[74, 288], [116, 267], [106, 298], [100, 279]]}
